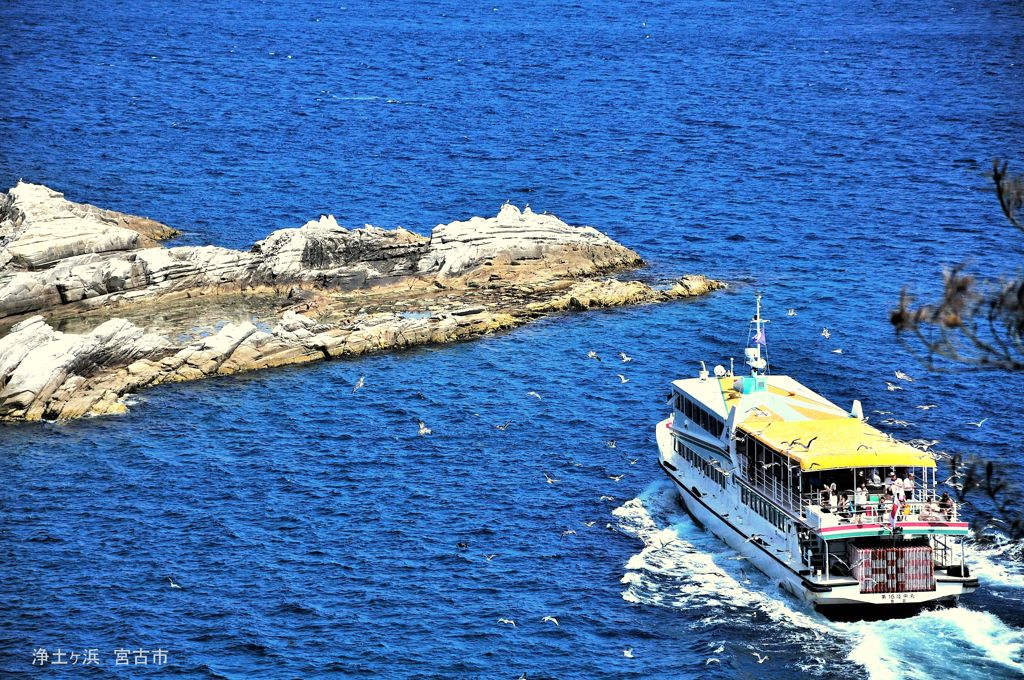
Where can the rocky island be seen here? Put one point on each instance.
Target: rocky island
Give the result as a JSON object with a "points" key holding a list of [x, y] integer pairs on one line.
{"points": [[93, 307]]}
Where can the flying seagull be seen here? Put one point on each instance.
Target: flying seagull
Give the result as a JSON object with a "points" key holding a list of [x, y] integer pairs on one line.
{"points": [[549, 479], [623, 379], [760, 659], [892, 388], [359, 384], [424, 430], [552, 619], [903, 376], [532, 394], [790, 312], [825, 333], [625, 357], [593, 355], [507, 622], [173, 584], [978, 423]]}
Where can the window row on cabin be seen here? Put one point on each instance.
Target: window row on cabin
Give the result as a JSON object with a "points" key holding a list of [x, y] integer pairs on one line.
{"points": [[762, 507], [702, 464], [700, 415], [757, 456]]}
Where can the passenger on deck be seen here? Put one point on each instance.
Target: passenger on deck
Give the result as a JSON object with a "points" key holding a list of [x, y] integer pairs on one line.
{"points": [[862, 497], [931, 512], [946, 505], [909, 486], [896, 487], [876, 479]]}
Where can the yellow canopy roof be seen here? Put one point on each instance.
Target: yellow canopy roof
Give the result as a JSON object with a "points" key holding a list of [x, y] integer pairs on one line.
{"points": [[831, 443]]}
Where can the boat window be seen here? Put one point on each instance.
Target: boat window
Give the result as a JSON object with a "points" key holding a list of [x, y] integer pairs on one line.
{"points": [[700, 463], [701, 417]]}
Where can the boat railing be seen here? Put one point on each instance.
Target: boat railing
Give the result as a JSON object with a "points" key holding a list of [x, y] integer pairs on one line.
{"points": [[924, 506], [777, 491]]}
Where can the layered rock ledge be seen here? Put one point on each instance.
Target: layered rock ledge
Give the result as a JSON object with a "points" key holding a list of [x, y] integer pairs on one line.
{"points": [[97, 308]]}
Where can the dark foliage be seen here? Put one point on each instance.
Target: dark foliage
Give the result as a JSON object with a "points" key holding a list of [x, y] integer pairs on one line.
{"points": [[977, 323]]}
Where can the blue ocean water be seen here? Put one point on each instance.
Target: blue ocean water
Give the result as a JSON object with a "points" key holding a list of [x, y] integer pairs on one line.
{"points": [[827, 154]]}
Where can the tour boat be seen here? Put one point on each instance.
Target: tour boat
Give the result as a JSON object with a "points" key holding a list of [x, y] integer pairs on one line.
{"points": [[808, 492]]}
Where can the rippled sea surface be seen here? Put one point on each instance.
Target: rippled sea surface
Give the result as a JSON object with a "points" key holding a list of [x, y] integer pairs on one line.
{"points": [[828, 154]]}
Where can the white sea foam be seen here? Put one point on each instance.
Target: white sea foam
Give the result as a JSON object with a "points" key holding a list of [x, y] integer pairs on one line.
{"points": [[682, 566], [997, 564], [926, 645]]}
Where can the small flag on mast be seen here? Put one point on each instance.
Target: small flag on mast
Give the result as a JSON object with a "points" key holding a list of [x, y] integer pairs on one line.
{"points": [[759, 337]]}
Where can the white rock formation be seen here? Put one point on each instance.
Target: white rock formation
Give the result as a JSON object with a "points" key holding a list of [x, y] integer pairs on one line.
{"points": [[514, 235]]}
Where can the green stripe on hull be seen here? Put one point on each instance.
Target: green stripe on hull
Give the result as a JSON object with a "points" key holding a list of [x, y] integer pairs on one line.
{"points": [[906, 532]]}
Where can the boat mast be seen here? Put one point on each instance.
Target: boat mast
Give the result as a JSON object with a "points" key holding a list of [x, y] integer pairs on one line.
{"points": [[758, 363]]}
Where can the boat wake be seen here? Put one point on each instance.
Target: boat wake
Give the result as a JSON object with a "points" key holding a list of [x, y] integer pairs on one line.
{"points": [[683, 567]]}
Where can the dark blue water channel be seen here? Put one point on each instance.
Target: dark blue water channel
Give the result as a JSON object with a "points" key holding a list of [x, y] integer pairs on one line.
{"points": [[828, 154]]}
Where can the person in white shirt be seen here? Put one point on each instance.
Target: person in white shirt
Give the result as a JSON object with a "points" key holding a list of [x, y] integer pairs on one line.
{"points": [[908, 486], [896, 488]]}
